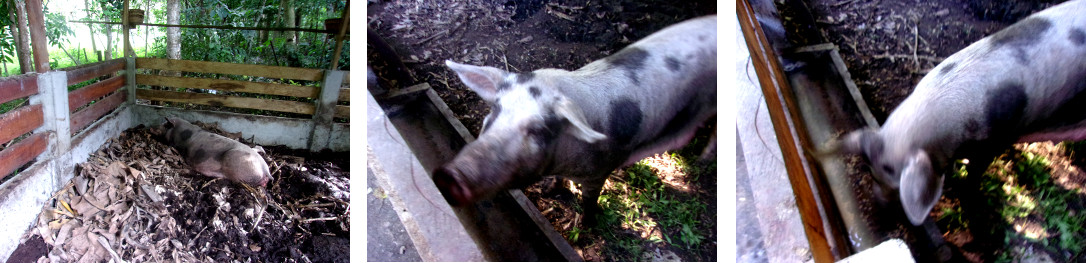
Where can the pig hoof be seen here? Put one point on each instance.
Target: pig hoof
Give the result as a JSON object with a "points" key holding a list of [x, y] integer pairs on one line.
{"points": [[448, 181]]}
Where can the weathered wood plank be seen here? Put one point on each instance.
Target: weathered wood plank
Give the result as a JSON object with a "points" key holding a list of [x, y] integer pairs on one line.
{"points": [[227, 101], [17, 87], [88, 115], [22, 152], [82, 96], [83, 73], [228, 85], [343, 112], [20, 121], [345, 94], [230, 68]]}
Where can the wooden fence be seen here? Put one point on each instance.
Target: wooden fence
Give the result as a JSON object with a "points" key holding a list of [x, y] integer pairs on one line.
{"points": [[306, 93], [18, 122]]}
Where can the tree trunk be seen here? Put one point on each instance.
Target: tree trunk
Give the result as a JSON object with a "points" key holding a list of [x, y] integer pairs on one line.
{"points": [[109, 42], [23, 38], [288, 20], [173, 34], [94, 44]]}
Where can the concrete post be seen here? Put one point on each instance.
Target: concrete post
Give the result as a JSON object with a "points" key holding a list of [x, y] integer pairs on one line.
{"points": [[326, 109], [53, 96]]}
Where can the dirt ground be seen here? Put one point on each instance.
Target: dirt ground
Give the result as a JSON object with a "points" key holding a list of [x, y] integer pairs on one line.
{"points": [[518, 36], [888, 46], [136, 199]]}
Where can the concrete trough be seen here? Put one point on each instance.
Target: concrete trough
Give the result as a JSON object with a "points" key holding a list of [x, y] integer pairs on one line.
{"points": [[409, 135]]}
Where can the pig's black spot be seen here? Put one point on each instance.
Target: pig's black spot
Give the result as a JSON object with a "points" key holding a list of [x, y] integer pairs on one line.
{"points": [[682, 119], [525, 77], [200, 156], [186, 134], [947, 67], [1022, 34], [1005, 107], [673, 64], [1077, 36], [625, 120], [502, 86], [534, 91], [546, 132], [631, 59]]}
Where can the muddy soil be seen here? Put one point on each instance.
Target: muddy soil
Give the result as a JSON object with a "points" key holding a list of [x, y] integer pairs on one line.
{"points": [[888, 46], [517, 36], [136, 199]]}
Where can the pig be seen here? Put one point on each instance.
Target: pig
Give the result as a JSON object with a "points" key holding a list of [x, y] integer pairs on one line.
{"points": [[647, 98], [214, 155], [1024, 83]]}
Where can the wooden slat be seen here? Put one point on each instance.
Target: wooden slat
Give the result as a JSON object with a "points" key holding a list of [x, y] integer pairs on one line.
{"points": [[88, 115], [22, 152], [20, 121], [343, 112], [83, 73], [824, 244], [226, 101], [228, 85], [345, 94], [18, 87], [230, 68], [82, 96]]}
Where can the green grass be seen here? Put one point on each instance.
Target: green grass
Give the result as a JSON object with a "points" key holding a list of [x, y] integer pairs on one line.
{"points": [[1026, 193], [640, 202]]}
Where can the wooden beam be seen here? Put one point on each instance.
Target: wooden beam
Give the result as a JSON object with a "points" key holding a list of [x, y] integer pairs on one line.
{"points": [[345, 94], [37, 35], [228, 85], [791, 136], [20, 121], [314, 30], [343, 112], [22, 152], [227, 101], [274, 72], [86, 72], [18, 87], [88, 115], [82, 96]]}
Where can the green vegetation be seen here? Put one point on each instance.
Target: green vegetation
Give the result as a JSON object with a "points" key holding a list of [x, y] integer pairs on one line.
{"points": [[1035, 210]]}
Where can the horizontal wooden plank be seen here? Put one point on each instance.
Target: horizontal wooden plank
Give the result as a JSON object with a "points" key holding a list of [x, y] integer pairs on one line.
{"points": [[230, 68], [226, 101], [88, 115], [22, 152], [343, 112], [83, 73], [18, 87], [345, 94], [228, 85], [82, 96], [20, 121]]}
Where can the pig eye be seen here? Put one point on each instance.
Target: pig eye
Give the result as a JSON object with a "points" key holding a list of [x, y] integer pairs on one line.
{"points": [[887, 169]]}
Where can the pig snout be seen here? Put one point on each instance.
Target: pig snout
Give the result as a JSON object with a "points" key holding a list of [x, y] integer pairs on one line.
{"points": [[448, 180]]}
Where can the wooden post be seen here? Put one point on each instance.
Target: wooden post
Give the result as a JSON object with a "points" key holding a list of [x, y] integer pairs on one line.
{"points": [[37, 35], [339, 37], [129, 57], [326, 108], [792, 138]]}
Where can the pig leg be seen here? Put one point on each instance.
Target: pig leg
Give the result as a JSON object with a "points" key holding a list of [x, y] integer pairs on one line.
{"points": [[590, 195]]}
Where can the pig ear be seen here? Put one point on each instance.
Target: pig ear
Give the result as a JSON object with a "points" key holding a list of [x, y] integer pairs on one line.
{"points": [[483, 80], [920, 187], [579, 127], [168, 124]]}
